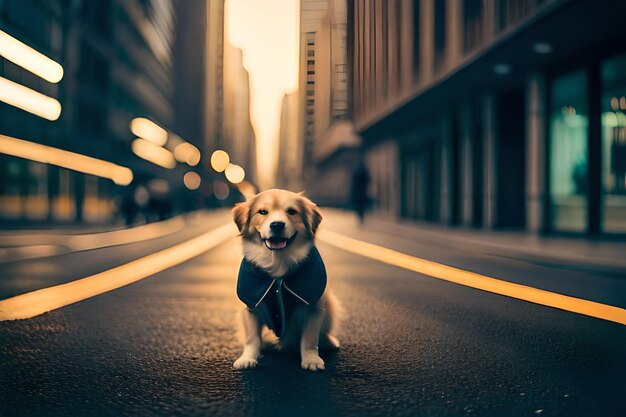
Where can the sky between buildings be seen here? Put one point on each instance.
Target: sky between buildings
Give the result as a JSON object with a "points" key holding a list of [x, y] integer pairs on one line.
{"points": [[268, 33]]}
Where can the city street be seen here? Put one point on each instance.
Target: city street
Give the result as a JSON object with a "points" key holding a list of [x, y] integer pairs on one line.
{"points": [[412, 344]]}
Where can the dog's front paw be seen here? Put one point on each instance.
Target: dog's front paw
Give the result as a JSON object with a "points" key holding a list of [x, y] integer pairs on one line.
{"points": [[245, 362], [312, 362]]}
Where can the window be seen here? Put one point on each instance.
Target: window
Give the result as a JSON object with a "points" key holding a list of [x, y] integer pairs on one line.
{"points": [[341, 72], [440, 31], [472, 23], [509, 12], [614, 145], [569, 121], [310, 52]]}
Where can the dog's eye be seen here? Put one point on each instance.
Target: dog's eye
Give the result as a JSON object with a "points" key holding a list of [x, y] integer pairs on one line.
{"points": [[291, 212], [263, 212]]}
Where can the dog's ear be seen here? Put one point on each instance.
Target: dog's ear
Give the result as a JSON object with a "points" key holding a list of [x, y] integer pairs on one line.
{"points": [[312, 215], [241, 215]]}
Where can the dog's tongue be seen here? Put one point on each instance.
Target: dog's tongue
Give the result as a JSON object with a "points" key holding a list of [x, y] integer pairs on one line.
{"points": [[276, 244]]}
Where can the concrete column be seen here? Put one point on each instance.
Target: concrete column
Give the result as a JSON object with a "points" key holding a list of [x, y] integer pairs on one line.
{"points": [[454, 39], [489, 162], [535, 151], [488, 20], [393, 41], [427, 36], [380, 50], [466, 168], [405, 8], [446, 198]]}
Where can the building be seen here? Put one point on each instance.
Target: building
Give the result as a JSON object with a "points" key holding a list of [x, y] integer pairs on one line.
{"points": [[214, 75], [237, 132], [117, 62], [121, 60], [506, 114], [189, 53], [323, 149], [290, 172]]}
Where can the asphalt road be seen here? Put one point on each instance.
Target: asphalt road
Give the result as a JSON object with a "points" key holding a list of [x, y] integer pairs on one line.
{"points": [[411, 346]]}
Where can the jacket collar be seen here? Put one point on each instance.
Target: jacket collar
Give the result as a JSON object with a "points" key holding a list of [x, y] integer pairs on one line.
{"points": [[306, 282]]}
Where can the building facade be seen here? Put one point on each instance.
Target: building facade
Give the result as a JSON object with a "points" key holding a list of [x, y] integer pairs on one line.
{"points": [[117, 61], [237, 132], [161, 60], [322, 149], [290, 173], [504, 114]]}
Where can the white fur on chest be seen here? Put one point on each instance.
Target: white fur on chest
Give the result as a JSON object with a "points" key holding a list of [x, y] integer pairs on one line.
{"points": [[275, 263]]}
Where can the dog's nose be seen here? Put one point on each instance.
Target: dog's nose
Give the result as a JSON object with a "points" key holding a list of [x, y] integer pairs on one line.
{"points": [[277, 226]]}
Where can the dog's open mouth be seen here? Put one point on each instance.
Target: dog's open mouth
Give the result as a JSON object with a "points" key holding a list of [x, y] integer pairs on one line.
{"points": [[278, 242]]}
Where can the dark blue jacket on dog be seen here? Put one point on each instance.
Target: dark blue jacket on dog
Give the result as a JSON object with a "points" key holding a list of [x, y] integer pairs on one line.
{"points": [[274, 299]]}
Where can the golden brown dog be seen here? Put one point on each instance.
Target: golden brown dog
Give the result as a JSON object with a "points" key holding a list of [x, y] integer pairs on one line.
{"points": [[282, 278]]}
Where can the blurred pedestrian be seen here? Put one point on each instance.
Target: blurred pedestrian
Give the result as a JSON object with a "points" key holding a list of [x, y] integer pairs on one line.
{"points": [[160, 201], [127, 206], [359, 198]]}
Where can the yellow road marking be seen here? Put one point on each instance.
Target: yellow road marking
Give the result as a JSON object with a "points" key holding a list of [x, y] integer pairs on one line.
{"points": [[41, 301], [49, 245], [474, 280]]}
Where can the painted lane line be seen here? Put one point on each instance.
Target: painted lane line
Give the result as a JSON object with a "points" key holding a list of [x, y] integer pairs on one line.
{"points": [[474, 280], [41, 301], [22, 246]]}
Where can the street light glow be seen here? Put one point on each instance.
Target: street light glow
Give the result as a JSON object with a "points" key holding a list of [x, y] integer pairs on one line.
{"points": [[29, 100], [28, 58], [219, 160], [187, 153], [148, 130], [65, 159], [192, 180], [153, 153], [234, 173]]}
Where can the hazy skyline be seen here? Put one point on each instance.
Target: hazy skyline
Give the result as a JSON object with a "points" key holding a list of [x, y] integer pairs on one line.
{"points": [[268, 34]]}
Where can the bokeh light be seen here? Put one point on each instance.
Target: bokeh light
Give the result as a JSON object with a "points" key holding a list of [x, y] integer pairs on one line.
{"points": [[192, 180], [28, 58], [48, 155], [153, 153], [29, 100], [221, 190], [187, 153], [219, 160], [148, 130], [235, 173]]}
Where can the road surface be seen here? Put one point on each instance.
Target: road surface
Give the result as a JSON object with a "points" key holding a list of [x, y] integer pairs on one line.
{"points": [[411, 344]]}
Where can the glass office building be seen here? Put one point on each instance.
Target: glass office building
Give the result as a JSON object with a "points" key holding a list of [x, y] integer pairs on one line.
{"points": [[506, 115]]}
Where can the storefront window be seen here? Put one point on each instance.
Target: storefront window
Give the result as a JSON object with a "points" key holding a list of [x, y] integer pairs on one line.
{"points": [[569, 122], [614, 145]]}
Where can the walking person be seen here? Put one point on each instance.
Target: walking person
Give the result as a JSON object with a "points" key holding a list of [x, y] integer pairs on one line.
{"points": [[359, 198]]}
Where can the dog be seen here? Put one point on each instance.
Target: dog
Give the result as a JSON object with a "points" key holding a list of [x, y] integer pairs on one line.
{"points": [[282, 278]]}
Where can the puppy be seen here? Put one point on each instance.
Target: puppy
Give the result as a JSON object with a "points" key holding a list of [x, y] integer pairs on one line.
{"points": [[282, 278]]}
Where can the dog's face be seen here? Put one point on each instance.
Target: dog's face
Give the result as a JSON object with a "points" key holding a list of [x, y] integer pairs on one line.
{"points": [[279, 219]]}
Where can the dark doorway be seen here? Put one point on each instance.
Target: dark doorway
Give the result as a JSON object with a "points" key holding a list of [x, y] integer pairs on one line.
{"points": [[418, 196], [511, 160], [477, 164]]}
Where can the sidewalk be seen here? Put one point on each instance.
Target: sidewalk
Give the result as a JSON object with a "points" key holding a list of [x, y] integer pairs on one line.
{"points": [[18, 245], [573, 253]]}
